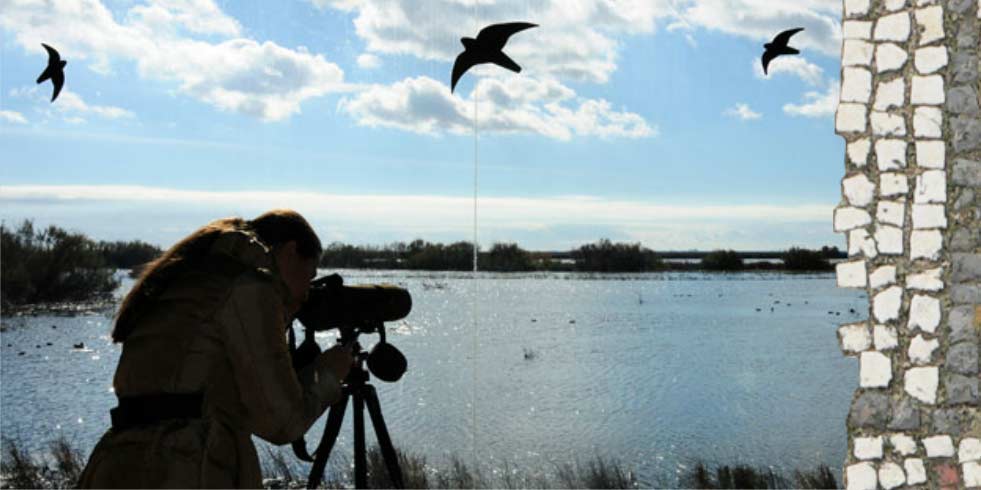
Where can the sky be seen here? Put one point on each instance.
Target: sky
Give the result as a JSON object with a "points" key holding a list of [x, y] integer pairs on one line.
{"points": [[644, 121]]}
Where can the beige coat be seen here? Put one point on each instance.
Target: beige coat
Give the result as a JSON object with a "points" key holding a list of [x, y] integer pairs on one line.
{"points": [[223, 334]]}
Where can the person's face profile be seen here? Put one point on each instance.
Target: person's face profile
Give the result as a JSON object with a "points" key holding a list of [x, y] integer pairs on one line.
{"points": [[297, 272]]}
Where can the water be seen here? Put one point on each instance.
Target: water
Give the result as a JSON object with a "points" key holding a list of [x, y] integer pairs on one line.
{"points": [[656, 370]]}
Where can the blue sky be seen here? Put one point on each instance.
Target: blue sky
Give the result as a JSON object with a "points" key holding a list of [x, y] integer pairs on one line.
{"points": [[643, 121]]}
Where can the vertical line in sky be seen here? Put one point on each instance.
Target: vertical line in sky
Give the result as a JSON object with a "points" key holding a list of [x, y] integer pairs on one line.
{"points": [[473, 357]]}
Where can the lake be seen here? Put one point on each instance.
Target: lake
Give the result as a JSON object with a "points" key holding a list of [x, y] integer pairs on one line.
{"points": [[655, 370]]}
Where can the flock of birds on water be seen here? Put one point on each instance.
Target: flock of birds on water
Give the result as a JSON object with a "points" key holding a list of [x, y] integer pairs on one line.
{"points": [[487, 47]]}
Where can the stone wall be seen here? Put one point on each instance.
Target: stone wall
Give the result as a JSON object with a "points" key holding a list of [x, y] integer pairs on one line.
{"points": [[911, 210]]}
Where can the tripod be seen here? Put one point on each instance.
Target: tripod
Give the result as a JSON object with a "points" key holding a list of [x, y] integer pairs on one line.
{"points": [[355, 386]]}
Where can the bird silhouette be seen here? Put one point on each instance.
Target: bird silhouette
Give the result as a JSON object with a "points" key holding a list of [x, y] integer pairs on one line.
{"points": [[779, 47], [487, 49], [55, 71]]}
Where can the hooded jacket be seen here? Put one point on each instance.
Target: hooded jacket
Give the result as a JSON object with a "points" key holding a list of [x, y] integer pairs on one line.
{"points": [[218, 331]]}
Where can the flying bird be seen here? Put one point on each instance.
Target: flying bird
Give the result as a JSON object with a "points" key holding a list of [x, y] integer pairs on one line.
{"points": [[55, 71], [487, 49], [779, 47]]}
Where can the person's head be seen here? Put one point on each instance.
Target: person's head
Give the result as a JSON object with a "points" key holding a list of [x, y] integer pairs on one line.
{"points": [[292, 242], [295, 248]]}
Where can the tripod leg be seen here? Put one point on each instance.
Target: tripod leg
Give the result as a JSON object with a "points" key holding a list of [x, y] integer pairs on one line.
{"points": [[360, 459], [334, 420], [384, 441]]}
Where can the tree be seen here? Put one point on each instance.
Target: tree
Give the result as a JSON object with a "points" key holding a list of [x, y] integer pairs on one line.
{"points": [[722, 260]]}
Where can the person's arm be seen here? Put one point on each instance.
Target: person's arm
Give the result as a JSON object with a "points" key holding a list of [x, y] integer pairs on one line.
{"points": [[281, 406]]}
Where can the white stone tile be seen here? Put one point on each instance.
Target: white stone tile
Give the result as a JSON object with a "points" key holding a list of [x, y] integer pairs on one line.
{"points": [[875, 370], [903, 444], [891, 212], [848, 218], [921, 350], [928, 280], [889, 95], [893, 184], [929, 60], [928, 122], [894, 5], [886, 124], [854, 337], [851, 274], [921, 383], [858, 151], [859, 190], [861, 243], [868, 447], [850, 118], [893, 27], [888, 57], [915, 471], [924, 313], [928, 90], [891, 475], [889, 240], [929, 216], [882, 276], [930, 153], [972, 470], [856, 29], [890, 154], [939, 446], [931, 187], [885, 305], [856, 7], [856, 85], [861, 476], [924, 244], [969, 450], [855, 52], [931, 21], [884, 337]]}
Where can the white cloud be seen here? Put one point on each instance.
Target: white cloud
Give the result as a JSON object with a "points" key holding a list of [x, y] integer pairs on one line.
{"points": [[816, 104], [369, 61], [509, 105], [12, 117], [261, 79], [742, 111], [794, 65], [70, 105]]}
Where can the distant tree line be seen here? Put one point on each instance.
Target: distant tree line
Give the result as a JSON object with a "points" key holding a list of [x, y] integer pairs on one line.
{"points": [[52, 264]]}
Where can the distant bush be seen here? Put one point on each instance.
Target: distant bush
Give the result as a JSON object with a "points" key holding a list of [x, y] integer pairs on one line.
{"points": [[606, 256], [51, 265], [128, 255], [801, 259], [506, 257], [722, 260]]}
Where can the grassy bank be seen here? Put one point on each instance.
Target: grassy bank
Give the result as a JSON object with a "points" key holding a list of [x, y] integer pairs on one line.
{"points": [[61, 466]]}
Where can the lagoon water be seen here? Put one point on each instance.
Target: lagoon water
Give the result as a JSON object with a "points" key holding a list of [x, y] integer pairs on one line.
{"points": [[655, 370]]}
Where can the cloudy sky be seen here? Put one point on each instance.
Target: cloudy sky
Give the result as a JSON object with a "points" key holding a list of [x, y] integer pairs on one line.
{"points": [[634, 120]]}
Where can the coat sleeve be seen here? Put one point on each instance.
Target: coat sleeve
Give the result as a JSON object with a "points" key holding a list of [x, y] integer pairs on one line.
{"points": [[281, 406]]}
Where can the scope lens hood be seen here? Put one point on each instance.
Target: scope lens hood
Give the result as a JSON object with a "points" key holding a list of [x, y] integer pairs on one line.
{"points": [[386, 362]]}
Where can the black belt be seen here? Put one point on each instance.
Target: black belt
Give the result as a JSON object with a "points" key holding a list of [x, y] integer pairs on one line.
{"points": [[148, 409]]}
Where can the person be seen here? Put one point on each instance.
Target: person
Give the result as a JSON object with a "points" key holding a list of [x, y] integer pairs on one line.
{"points": [[205, 362]]}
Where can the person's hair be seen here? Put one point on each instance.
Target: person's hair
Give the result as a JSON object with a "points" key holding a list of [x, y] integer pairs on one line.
{"points": [[273, 228]]}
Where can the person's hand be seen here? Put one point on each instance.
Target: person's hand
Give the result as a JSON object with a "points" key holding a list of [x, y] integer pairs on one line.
{"points": [[338, 359]]}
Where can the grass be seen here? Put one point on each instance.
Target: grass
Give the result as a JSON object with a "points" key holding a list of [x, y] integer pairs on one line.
{"points": [[63, 464]]}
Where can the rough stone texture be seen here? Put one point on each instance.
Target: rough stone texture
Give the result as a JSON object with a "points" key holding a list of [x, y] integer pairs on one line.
{"points": [[851, 274], [891, 212], [850, 118], [875, 370], [931, 20], [885, 305], [929, 280], [966, 267], [859, 190], [861, 476], [962, 100], [870, 409], [889, 240], [905, 415], [883, 276], [950, 421], [891, 475], [927, 122], [962, 294], [963, 358], [858, 151], [891, 184], [961, 389], [921, 350], [964, 240], [931, 187], [939, 446], [966, 173], [967, 133], [903, 444], [925, 244], [929, 60], [924, 313], [929, 216], [926, 90], [890, 95], [972, 474], [969, 449], [868, 447], [860, 243], [884, 337], [915, 471], [961, 322], [886, 124]]}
